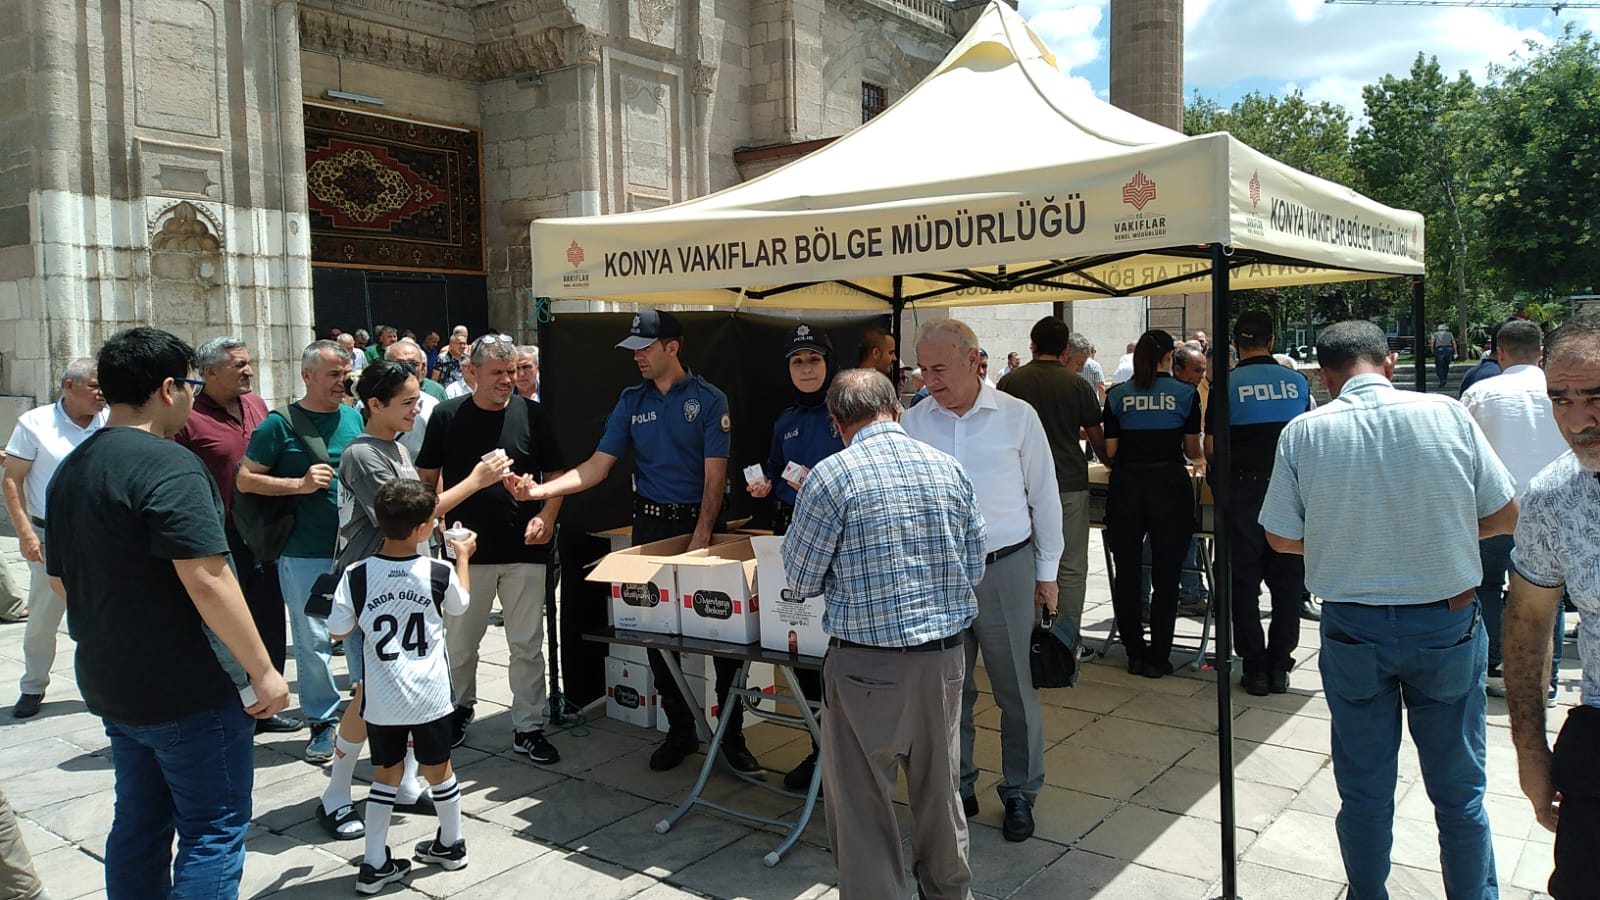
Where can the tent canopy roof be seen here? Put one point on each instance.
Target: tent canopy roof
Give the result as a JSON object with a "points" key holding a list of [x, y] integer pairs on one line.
{"points": [[995, 180]]}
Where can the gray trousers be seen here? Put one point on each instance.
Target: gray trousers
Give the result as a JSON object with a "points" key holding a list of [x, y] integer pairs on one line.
{"points": [[1003, 631], [1072, 576], [882, 710]]}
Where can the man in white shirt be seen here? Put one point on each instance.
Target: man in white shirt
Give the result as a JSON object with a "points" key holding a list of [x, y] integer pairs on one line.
{"points": [[1000, 442], [42, 439], [1513, 409], [1123, 371]]}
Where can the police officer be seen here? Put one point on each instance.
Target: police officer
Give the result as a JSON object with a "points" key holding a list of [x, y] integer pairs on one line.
{"points": [[678, 425], [1151, 423], [1262, 397], [805, 435]]}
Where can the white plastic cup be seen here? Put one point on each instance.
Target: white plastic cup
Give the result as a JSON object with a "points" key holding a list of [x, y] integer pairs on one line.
{"points": [[454, 533]]}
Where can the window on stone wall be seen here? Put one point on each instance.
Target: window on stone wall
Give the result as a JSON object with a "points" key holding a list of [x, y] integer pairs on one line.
{"points": [[874, 100]]}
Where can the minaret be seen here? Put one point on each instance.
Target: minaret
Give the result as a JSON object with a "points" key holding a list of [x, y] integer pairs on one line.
{"points": [[1147, 59]]}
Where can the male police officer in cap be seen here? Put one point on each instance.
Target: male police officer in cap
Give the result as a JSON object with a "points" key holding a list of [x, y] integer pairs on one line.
{"points": [[678, 426], [1262, 397]]}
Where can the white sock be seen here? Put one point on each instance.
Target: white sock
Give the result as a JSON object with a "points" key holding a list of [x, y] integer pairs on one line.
{"points": [[410, 786], [447, 803], [345, 756], [380, 806]]}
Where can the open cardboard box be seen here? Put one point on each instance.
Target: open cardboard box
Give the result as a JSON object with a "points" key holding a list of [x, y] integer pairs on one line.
{"points": [[644, 584], [717, 585], [789, 623]]}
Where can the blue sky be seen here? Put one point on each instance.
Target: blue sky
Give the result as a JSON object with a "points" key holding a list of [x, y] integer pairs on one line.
{"points": [[1328, 51]]}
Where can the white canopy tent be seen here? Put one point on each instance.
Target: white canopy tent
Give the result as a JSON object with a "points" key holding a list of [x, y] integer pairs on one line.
{"points": [[996, 181]]}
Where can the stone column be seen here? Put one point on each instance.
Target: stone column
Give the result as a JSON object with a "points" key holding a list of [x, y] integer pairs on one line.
{"points": [[1147, 59]]}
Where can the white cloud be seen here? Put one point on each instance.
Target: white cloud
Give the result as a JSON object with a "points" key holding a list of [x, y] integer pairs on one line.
{"points": [[1332, 50], [1071, 29]]}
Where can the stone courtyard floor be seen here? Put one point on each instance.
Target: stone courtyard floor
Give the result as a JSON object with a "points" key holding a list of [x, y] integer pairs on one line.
{"points": [[1129, 809]]}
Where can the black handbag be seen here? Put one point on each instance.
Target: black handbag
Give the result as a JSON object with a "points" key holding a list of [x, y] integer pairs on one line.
{"points": [[264, 522], [1054, 664]]}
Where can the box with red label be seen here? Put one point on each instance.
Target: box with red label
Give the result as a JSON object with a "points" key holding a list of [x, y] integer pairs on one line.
{"points": [[716, 587], [644, 584], [703, 691], [789, 623], [630, 652], [630, 693]]}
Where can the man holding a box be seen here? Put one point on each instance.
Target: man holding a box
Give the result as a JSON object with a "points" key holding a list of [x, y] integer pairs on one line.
{"points": [[889, 531], [677, 423], [1002, 445]]}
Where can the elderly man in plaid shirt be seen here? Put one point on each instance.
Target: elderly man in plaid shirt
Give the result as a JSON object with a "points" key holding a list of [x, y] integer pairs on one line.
{"points": [[888, 530]]}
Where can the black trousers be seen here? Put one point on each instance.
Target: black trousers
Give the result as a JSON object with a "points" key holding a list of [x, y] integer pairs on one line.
{"points": [[259, 581], [680, 719], [1159, 502], [1284, 573], [1573, 774]]}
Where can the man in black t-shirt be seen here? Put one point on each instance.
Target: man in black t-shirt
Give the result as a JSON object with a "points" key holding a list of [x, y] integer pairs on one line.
{"points": [[135, 544], [513, 537]]}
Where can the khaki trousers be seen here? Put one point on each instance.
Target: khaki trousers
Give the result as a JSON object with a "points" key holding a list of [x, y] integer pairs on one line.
{"points": [[18, 880], [520, 587], [883, 710]]}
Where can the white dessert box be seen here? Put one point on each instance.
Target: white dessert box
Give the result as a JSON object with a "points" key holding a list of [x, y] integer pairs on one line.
{"points": [[630, 693], [789, 623], [717, 587]]}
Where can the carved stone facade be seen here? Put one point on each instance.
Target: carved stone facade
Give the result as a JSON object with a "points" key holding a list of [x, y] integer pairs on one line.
{"points": [[152, 161]]}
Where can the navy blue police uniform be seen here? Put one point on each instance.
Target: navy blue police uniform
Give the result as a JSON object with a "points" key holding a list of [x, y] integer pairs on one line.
{"points": [[673, 434], [804, 435], [1262, 397], [1150, 494]]}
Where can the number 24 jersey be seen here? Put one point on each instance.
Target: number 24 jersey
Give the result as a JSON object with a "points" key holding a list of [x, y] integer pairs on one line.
{"points": [[401, 617]]}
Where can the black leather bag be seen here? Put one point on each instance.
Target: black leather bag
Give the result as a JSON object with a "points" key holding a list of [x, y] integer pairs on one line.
{"points": [[264, 523], [1054, 664]]}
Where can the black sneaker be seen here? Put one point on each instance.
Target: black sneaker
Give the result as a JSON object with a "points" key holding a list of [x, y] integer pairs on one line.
{"points": [[337, 649], [740, 758], [1278, 682], [534, 744], [799, 777], [1256, 684], [1157, 668], [434, 852], [969, 805], [672, 751], [459, 720], [371, 881], [27, 706]]}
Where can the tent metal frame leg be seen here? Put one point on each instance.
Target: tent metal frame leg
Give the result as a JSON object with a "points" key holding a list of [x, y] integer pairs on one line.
{"points": [[1222, 590]]}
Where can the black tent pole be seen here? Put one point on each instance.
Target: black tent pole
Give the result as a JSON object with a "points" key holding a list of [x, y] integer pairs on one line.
{"points": [[1222, 591], [899, 305], [1417, 313]]}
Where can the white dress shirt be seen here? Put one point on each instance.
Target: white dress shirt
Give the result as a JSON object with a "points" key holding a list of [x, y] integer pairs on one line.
{"points": [[1513, 409], [1002, 445], [45, 436], [1123, 371], [456, 389]]}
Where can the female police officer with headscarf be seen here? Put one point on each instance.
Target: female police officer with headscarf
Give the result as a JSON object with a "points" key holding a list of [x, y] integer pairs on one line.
{"points": [[1151, 424], [803, 436]]}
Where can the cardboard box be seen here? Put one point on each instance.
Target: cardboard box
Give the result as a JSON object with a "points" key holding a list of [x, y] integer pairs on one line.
{"points": [[789, 623], [630, 693], [630, 652], [717, 586], [644, 583]]}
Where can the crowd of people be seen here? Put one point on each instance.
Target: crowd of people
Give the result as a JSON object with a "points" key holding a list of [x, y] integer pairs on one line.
{"points": [[936, 532]]}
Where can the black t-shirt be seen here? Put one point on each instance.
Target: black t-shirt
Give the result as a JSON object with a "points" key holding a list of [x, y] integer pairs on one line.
{"points": [[123, 506], [460, 432]]}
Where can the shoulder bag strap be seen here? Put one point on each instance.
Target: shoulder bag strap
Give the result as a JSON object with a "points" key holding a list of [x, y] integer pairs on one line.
{"points": [[306, 431]]}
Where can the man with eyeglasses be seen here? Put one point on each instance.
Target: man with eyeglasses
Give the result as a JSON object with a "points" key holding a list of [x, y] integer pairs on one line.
{"points": [[225, 414], [277, 462], [513, 537], [42, 439]]}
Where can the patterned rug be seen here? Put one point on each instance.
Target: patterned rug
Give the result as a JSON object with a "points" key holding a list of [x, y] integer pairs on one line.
{"points": [[391, 193]]}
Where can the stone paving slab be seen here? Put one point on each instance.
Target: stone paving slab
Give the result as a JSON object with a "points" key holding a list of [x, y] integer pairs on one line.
{"points": [[1129, 809]]}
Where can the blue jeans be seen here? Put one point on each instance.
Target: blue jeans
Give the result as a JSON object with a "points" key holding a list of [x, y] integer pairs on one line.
{"points": [[313, 651], [192, 776], [1495, 555], [1433, 660]]}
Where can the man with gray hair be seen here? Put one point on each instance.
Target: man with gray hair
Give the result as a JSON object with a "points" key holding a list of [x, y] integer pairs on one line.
{"points": [[1001, 443], [889, 532], [224, 416], [1558, 552], [1395, 636], [42, 439], [528, 372], [284, 459], [513, 537], [387, 335], [358, 357]]}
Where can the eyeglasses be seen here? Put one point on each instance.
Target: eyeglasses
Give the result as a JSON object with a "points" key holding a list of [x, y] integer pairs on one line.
{"points": [[493, 339], [195, 383]]}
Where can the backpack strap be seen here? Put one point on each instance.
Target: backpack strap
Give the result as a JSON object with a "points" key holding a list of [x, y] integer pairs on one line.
{"points": [[306, 431], [440, 580]]}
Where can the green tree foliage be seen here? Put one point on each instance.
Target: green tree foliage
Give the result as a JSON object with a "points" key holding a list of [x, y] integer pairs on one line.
{"points": [[1411, 152], [1540, 183]]}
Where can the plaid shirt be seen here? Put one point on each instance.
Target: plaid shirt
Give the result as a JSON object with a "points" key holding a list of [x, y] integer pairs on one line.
{"points": [[888, 530]]}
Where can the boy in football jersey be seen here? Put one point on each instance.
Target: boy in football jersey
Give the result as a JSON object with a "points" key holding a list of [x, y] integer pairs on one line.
{"points": [[398, 599]]}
